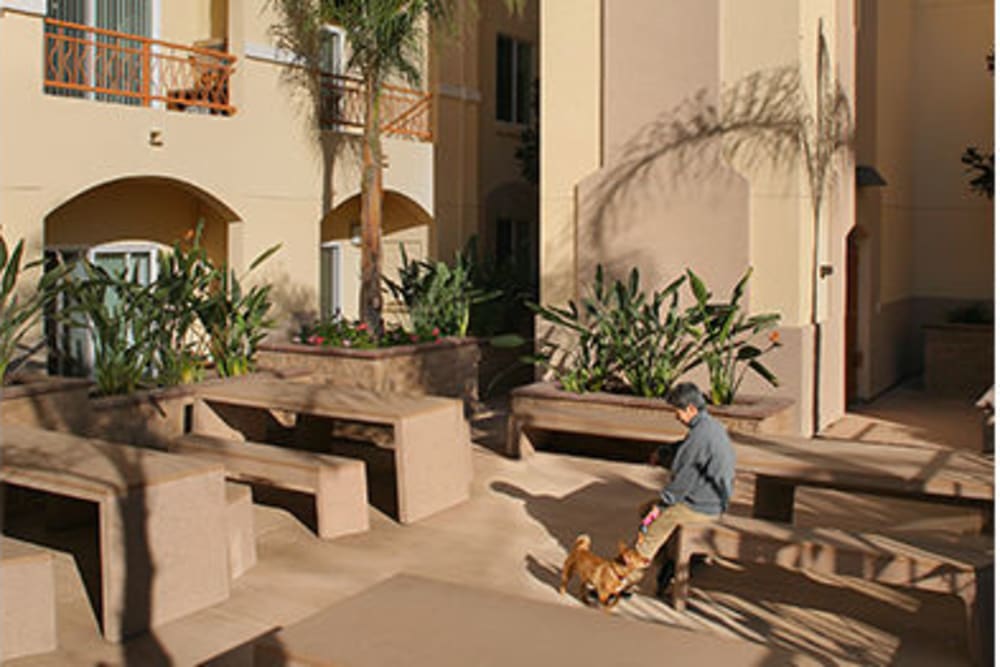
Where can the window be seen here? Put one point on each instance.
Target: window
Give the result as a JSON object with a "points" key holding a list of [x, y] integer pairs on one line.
{"points": [[111, 63], [513, 79], [330, 285], [74, 348], [331, 93], [513, 243]]}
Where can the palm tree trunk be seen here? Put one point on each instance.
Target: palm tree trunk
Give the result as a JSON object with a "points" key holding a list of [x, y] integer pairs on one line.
{"points": [[371, 212]]}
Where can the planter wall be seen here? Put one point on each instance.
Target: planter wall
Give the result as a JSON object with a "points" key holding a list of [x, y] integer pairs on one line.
{"points": [[144, 418], [754, 415], [54, 403], [446, 368], [958, 359]]}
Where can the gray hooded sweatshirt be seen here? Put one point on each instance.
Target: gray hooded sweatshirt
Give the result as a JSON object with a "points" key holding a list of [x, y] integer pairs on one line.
{"points": [[702, 467]]}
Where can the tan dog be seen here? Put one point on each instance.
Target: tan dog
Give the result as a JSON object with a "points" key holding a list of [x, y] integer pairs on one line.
{"points": [[606, 577]]}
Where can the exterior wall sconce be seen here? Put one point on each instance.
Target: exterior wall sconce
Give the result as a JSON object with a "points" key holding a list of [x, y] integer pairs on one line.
{"points": [[356, 234], [825, 270], [156, 137]]}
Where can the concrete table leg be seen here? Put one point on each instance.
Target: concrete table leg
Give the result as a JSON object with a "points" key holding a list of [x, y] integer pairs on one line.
{"points": [[773, 499]]}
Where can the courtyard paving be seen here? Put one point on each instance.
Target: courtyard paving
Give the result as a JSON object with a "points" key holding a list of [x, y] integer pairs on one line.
{"points": [[512, 537]]}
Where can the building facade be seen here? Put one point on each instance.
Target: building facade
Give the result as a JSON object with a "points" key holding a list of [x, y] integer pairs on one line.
{"points": [[620, 75], [126, 123]]}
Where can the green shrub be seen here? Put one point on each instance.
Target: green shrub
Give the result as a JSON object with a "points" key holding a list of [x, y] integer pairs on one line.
{"points": [[436, 295], [626, 342], [20, 312], [235, 319], [117, 310], [724, 332]]}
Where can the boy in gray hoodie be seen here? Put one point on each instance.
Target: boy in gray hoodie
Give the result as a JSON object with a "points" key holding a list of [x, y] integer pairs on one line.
{"points": [[702, 468]]}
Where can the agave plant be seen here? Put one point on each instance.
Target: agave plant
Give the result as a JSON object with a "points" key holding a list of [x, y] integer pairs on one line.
{"points": [[235, 319], [626, 342], [19, 313], [725, 332]]}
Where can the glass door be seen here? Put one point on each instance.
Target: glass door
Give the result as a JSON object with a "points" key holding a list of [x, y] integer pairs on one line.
{"points": [[330, 280]]}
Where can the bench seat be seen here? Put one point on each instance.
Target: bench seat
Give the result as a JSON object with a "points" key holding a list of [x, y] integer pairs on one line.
{"points": [[962, 567], [240, 529], [28, 610], [338, 483]]}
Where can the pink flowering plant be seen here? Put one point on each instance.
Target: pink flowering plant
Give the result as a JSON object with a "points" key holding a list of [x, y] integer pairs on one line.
{"points": [[340, 332]]}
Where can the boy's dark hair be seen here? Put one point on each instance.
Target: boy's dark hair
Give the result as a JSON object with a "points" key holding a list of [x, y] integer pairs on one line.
{"points": [[685, 394]]}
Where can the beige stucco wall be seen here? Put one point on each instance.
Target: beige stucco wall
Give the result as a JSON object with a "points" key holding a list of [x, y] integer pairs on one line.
{"points": [[571, 103], [477, 177], [266, 164], [650, 60]]}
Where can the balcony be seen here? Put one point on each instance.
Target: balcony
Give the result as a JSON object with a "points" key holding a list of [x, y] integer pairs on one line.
{"points": [[93, 63], [406, 113]]}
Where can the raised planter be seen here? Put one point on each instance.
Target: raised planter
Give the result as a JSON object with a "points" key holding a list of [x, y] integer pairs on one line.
{"points": [[543, 406], [445, 368], [55, 403], [153, 417], [958, 359], [149, 418]]}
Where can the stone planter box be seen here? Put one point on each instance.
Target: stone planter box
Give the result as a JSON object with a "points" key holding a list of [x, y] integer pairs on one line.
{"points": [[544, 407], [958, 359], [149, 418], [446, 368], [153, 417], [55, 403]]}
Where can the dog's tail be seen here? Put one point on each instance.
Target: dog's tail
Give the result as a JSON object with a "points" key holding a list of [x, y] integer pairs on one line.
{"points": [[582, 542]]}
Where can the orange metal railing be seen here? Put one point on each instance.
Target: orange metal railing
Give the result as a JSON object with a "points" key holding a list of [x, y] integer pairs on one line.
{"points": [[85, 61], [405, 112]]}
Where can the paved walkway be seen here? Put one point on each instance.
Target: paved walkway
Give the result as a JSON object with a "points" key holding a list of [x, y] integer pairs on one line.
{"points": [[512, 536]]}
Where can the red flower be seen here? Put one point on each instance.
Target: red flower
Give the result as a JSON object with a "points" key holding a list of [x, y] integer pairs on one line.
{"points": [[315, 340], [414, 337], [436, 332], [774, 337], [362, 326]]}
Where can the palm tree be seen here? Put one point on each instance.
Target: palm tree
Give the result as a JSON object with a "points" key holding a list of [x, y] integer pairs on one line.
{"points": [[386, 39]]}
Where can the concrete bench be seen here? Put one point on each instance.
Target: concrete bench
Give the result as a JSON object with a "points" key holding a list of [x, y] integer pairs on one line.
{"points": [[240, 529], [28, 610], [337, 483], [963, 568]]}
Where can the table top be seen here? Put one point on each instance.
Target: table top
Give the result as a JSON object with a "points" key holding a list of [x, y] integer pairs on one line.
{"points": [[877, 467], [86, 468], [409, 620], [324, 400]]}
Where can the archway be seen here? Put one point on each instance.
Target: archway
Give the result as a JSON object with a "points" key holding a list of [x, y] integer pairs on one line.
{"points": [[405, 224], [147, 209], [124, 224]]}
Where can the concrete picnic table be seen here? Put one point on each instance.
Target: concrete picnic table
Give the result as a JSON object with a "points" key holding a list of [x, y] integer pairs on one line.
{"points": [[162, 527], [430, 437]]}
